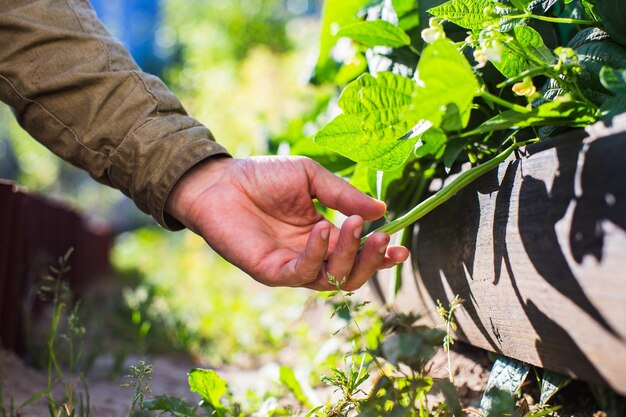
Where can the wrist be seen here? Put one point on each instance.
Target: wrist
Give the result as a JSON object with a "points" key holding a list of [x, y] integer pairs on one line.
{"points": [[193, 184]]}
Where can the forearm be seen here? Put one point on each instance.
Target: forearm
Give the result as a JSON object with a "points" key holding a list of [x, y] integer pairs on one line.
{"points": [[76, 89]]}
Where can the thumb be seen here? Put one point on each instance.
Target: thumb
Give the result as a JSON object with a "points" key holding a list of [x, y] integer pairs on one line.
{"points": [[336, 193]]}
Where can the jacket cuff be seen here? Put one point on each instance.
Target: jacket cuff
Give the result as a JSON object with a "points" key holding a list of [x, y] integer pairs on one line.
{"points": [[201, 152], [149, 162]]}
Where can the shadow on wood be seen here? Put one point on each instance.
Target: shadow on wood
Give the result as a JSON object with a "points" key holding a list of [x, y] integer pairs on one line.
{"points": [[537, 249]]}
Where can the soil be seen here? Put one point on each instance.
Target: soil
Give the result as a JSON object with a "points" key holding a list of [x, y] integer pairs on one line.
{"points": [[470, 367], [108, 398]]}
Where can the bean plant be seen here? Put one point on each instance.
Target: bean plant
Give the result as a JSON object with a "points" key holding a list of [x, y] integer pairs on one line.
{"points": [[425, 86]]}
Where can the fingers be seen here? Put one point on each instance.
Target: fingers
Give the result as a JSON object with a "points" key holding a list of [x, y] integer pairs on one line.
{"points": [[336, 193], [342, 259], [358, 268], [371, 259], [306, 267]]}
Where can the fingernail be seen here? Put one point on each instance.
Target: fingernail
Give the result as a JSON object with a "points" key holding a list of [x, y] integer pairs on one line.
{"points": [[357, 232], [325, 233], [383, 249]]}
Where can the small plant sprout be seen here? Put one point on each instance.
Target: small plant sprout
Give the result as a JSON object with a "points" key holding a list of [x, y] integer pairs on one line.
{"points": [[65, 314], [140, 377], [346, 304], [448, 317], [348, 383]]}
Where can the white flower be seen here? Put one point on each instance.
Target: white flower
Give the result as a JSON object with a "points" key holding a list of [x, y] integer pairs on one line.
{"points": [[434, 31], [430, 35], [481, 58], [493, 50]]}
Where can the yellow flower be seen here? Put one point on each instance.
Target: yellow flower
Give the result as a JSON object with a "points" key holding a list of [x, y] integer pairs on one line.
{"points": [[525, 87]]}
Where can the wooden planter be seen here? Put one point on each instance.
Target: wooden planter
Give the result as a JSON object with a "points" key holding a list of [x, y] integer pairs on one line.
{"points": [[34, 232], [537, 249]]}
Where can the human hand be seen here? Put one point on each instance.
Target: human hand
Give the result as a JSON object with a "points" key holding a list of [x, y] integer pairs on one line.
{"points": [[258, 214]]}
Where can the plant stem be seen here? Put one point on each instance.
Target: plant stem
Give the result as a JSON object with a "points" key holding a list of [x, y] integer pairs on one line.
{"points": [[358, 328], [532, 72], [446, 192], [449, 319], [565, 20], [551, 19], [497, 100]]}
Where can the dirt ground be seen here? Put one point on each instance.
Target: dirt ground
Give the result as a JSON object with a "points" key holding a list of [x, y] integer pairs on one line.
{"points": [[108, 398]]}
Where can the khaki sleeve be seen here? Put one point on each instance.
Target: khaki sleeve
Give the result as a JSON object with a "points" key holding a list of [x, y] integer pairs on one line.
{"points": [[76, 89]]}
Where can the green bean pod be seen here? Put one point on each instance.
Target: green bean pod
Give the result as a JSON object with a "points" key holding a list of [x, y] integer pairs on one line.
{"points": [[445, 193]]}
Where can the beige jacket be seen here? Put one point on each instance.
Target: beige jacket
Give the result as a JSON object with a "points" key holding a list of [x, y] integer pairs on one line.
{"points": [[76, 89]]}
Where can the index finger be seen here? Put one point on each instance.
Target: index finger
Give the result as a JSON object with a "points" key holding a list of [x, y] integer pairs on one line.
{"points": [[336, 193]]}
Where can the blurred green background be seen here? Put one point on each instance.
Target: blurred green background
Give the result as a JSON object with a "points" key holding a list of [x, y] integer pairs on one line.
{"points": [[241, 67]]}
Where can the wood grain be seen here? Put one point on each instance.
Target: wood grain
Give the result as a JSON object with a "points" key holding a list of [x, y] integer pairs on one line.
{"points": [[537, 249]]}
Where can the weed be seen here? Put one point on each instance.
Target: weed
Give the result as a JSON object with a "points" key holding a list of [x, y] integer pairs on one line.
{"points": [[448, 318], [65, 326], [400, 353], [140, 377], [3, 409]]}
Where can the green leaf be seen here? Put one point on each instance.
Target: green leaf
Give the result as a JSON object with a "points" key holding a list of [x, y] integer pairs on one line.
{"points": [[344, 135], [468, 14], [407, 12], [288, 379], [590, 10], [532, 43], [593, 56], [383, 179], [450, 394], [210, 386], [335, 14], [506, 377], [456, 89], [551, 383], [361, 179], [173, 405], [411, 348], [540, 6], [376, 33], [512, 63], [36, 396], [613, 79], [613, 14], [452, 152], [324, 156], [588, 35], [382, 102], [613, 106], [388, 109], [521, 5], [432, 143], [570, 113], [379, 110]]}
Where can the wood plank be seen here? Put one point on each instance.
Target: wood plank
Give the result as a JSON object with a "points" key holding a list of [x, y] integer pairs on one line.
{"points": [[10, 225], [537, 249], [34, 232]]}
